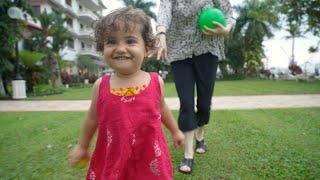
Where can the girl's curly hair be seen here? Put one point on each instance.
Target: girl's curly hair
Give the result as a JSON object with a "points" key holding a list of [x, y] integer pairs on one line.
{"points": [[127, 18]]}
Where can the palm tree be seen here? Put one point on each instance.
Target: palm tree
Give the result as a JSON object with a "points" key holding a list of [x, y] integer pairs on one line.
{"points": [[299, 14], [254, 24], [52, 26], [145, 6], [294, 33]]}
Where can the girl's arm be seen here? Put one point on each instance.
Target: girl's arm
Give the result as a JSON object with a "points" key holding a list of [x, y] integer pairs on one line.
{"points": [[90, 122], [169, 121], [88, 129]]}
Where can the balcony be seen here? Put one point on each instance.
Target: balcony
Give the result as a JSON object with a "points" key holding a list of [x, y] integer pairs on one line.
{"points": [[70, 10], [90, 52], [94, 5], [84, 33], [58, 3], [72, 31], [87, 16]]}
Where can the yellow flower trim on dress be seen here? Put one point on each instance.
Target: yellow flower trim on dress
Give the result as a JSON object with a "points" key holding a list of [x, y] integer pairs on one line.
{"points": [[129, 91]]}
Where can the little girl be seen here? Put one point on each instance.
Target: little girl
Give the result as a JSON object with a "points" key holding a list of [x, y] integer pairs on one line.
{"points": [[127, 108]]}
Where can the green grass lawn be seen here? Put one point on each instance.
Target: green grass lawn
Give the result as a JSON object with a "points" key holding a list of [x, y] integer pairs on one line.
{"points": [[223, 88], [254, 144]]}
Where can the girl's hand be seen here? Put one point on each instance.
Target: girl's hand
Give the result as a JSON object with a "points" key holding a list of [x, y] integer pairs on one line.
{"points": [[76, 155], [162, 49], [219, 31], [178, 139]]}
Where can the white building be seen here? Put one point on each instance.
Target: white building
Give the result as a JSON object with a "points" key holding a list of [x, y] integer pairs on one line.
{"points": [[80, 15]]}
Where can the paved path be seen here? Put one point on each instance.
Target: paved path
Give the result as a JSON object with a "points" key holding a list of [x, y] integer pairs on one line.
{"points": [[218, 103]]}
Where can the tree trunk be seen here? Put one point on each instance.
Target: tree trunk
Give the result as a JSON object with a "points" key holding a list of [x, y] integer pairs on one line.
{"points": [[292, 60], [2, 91], [56, 75]]}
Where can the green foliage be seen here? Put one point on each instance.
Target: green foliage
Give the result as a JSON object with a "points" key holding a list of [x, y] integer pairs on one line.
{"points": [[154, 65], [145, 6], [45, 90], [31, 58], [235, 56], [5, 63], [61, 34], [52, 28], [301, 16], [85, 63], [10, 35], [313, 16], [256, 21], [32, 70]]}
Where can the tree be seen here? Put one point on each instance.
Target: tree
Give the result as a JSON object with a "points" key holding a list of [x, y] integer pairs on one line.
{"points": [[234, 55], [8, 39], [50, 40], [86, 66], [255, 23], [32, 68], [301, 17], [293, 21], [145, 6]]}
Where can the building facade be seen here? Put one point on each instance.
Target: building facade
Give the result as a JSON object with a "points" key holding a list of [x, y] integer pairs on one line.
{"points": [[80, 15]]}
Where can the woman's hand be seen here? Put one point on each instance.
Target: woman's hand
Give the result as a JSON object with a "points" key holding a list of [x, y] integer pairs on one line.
{"points": [[219, 31], [162, 47]]}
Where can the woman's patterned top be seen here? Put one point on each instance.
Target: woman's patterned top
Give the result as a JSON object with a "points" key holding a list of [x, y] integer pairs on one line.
{"points": [[184, 38]]}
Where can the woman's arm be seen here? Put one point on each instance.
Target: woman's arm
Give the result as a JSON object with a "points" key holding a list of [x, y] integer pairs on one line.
{"points": [[226, 8], [163, 21], [165, 13]]}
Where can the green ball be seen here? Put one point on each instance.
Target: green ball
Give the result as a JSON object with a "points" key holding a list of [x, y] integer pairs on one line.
{"points": [[209, 15]]}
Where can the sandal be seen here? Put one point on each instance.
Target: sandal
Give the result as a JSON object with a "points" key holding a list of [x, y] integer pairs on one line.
{"points": [[186, 162], [201, 145]]}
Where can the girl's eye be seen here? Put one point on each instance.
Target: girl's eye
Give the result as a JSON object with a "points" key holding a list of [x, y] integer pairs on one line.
{"points": [[110, 42], [131, 41]]}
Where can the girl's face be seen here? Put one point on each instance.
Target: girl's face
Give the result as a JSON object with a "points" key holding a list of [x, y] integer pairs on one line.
{"points": [[125, 51]]}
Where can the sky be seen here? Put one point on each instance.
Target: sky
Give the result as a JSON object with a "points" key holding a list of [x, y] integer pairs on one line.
{"points": [[277, 50]]}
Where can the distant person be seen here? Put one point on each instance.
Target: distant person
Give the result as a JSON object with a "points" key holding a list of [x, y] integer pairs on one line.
{"points": [[194, 56], [128, 107]]}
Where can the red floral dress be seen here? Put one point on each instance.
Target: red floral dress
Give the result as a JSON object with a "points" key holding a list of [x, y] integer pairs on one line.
{"points": [[130, 143]]}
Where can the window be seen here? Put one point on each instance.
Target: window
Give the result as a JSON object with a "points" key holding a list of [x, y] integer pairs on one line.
{"points": [[69, 22], [68, 2], [71, 43], [81, 26], [36, 9], [82, 45]]}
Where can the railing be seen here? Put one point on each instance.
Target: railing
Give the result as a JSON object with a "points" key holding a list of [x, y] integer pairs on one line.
{"points": [[89, 51], [88, 14]]}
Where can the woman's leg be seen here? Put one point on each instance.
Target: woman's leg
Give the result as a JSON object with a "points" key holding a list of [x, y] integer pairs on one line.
{"points": [[184, 77], [206, 68]]}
